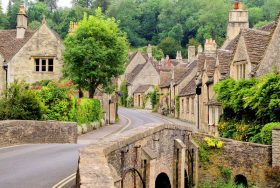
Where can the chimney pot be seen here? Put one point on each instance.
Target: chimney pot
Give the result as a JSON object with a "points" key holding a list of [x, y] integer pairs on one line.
{"points": [[236, 5]]}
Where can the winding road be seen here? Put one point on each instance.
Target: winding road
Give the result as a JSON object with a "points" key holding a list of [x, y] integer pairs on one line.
{"points": [[44, 165]]}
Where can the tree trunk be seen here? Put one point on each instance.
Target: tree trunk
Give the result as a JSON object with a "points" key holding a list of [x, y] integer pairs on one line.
{"points": [[91, 91]]}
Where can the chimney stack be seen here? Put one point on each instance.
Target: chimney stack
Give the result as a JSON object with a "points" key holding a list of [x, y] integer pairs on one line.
{"points": [[191, 53], [199, 49], [21, 22], [179, 56], [210, 46], [150, 51]]}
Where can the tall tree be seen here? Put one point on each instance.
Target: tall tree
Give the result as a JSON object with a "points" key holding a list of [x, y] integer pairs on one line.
{"points": [[95, 53], [12, 11], [52, 4]]}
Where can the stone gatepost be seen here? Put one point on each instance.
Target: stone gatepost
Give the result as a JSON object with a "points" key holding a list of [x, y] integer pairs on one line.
{"points": [[276, 147], [181, 147], [149, 158]]}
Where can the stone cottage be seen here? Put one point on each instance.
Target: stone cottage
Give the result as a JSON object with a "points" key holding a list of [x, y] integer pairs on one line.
{"points": [[249, 53], [29, 55]]}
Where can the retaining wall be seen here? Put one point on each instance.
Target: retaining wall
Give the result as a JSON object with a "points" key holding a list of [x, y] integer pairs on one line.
{"points": [[13, 132]]}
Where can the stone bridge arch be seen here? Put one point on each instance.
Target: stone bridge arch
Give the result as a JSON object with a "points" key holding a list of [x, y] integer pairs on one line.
{"points": [[162, 181]]}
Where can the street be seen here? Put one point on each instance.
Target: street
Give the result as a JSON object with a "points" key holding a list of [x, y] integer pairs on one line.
{"points": [[34, 166]]}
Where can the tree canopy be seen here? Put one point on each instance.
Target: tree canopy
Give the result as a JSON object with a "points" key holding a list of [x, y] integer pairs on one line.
{"points": [[95, 53]]}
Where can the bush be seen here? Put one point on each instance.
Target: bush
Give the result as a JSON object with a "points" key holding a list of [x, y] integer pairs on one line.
{"points": [[59, 99], [154, 96], [266, 132], [18, 102], [124, 94], [88, 111]]}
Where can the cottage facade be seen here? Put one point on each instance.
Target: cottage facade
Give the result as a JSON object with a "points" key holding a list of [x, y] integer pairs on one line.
{"points": [[30, 56]]}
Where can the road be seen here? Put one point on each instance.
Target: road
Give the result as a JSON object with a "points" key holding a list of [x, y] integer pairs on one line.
{"points": [[44, 165]]}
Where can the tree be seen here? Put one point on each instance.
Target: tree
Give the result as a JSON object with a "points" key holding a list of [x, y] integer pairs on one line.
{"points": [[52, 4], [95, 53], [12, 11], [169, 47], [3, 18]]}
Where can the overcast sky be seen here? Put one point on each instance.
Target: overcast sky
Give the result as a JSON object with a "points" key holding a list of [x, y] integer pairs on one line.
{"points": [[61, 3]]}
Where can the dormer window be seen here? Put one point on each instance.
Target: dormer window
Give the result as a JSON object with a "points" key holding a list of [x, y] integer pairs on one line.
{"points": [[43, 64], [241, 71]]}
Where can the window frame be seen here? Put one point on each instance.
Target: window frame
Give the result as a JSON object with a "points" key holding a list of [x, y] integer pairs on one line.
{"points": [[46, 68]]}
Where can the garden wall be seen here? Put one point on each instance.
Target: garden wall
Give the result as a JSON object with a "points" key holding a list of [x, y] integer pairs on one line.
{"points": [[13, 132], [242, 158]]}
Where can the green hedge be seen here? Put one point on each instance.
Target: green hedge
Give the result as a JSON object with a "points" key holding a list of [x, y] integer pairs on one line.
{"points": [[89, 110], [48, 100], [266, 132]]}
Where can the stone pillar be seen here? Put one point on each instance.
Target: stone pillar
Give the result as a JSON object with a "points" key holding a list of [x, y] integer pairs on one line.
{"points": [[150, 178], [276, 147], [182, 159]]}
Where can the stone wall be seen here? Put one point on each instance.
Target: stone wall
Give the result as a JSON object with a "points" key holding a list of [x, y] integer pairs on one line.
{"points": [[14, 132], [276, 147], [151, 150], [247, 159]]}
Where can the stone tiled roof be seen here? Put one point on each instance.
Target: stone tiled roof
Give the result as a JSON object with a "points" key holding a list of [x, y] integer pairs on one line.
{"points": [[210, 65], [131, 56], [189, 89], [10, 45], [181, 73], [131, 76], [201, 61], [142, 88], [256, 43], [233, 43], [224, 57], [165, 79]]}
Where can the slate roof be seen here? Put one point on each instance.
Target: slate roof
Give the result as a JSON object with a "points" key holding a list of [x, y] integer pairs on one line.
{"points": [[200, 63], [142, 88], [131, 56], [131, 76], [181, 73], [10, 45], [224, 57], [165, 79], [189, 89], [256, 43], [233, 43], [210, 65], [270, 27]]}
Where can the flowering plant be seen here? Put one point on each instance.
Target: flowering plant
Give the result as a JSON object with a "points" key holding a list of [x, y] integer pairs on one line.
{"points": [[213, 142]]}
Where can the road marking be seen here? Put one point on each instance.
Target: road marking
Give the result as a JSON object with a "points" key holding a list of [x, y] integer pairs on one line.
{"points": [[65, 181], [127, 125], [14, 146]]}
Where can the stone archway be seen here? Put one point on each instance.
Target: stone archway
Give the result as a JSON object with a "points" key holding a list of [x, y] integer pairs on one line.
{"points": [[162, 181], [241, 180]]}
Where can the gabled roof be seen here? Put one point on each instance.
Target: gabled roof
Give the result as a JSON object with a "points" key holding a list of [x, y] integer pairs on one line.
{"points": [[180, 73], [224, 57], [201, 61], [165, 79], [10, 45], [256, 43], [210, 65], [131, 76], [189, 89], [142, 88]]}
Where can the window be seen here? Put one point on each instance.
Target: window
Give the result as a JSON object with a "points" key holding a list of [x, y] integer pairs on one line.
{"points": [[183, 106], [192, 105], [240, 70], [188, 104], [43, 65]]}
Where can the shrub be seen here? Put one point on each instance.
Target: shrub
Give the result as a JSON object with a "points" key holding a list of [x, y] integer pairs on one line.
{"points": [[124, 94], [88, 111], [154, 96], [21, 103], [226, 174], [266, 132], [213, 142], [59, 99]]}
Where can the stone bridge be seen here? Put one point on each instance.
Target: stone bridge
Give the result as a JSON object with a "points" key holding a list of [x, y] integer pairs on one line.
{"points": [[165, 156]]}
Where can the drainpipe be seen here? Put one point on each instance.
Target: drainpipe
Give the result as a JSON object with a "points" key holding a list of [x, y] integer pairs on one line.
{"points": [[5, 67]]}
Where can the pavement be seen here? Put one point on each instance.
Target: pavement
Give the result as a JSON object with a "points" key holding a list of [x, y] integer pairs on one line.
{"points": [[44, 165]]}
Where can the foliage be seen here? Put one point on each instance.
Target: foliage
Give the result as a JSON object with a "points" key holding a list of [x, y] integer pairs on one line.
{"points": [[124, 93], [274, 173], [154, 96], [213, 142], [88, 111], [145, 99], [95, 53], [169, 47], [220, 184], [248, 105], [59, 100], [226, 173], [156, 51], [20, 103], [266, 132], [130, 102]]}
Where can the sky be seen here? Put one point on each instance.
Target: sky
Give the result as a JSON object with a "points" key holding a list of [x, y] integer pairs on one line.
{"points": [[61, 3]]}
